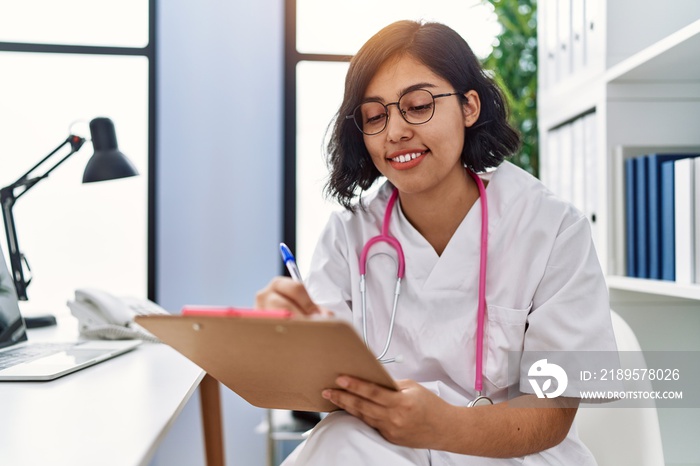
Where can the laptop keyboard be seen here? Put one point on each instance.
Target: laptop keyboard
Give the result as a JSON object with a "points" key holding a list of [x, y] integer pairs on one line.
{"points": [[15, 356]]}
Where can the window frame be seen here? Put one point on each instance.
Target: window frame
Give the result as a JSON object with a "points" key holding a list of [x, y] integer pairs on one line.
{"points": [[292, 57], [149, 51]]}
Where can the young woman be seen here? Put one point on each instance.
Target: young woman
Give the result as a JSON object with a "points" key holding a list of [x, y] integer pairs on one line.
{"points": [[419, 111]]}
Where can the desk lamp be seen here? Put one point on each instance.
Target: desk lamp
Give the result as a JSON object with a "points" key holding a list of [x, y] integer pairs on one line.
{"points": [[107, 163]]}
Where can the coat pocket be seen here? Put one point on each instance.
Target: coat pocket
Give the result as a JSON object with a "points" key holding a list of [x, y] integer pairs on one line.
{"points": [[505, 333]]}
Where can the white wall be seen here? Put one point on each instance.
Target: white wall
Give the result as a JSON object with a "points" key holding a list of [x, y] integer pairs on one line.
{"points": [[219, 174]]}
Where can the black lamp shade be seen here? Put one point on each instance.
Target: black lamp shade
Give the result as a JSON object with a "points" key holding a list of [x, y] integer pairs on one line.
{"points": [[107, 163]]}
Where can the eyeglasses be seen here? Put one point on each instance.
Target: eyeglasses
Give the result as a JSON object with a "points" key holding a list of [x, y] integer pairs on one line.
{"points": [[416, 107]]}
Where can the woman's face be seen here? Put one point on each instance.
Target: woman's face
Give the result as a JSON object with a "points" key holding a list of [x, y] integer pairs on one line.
{"points": [[424, 157]]}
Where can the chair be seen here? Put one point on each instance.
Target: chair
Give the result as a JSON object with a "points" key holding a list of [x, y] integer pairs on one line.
{"points": [[622, 436], [284, 431]]}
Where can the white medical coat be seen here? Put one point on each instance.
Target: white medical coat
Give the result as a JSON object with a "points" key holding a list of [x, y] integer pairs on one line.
{"points": [[545, 291]]}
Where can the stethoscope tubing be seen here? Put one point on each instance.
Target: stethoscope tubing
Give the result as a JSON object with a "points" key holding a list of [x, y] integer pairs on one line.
{"points": [[481, 308], [401, 268]]}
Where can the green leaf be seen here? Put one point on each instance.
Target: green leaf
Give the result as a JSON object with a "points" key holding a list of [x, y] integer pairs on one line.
{"points": [[513, 61]]}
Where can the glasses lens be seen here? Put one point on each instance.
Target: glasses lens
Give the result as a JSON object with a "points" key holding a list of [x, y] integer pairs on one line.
{"points": [[417, 106], [371, 117]]}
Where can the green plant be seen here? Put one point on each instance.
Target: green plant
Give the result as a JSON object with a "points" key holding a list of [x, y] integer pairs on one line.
{"points": [[513, 61]]}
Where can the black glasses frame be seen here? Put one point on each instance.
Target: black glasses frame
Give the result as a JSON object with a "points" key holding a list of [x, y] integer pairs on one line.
{"points": [[402, 112]]}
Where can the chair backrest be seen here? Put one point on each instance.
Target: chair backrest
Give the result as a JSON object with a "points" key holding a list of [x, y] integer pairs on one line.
{"points": [[621, 436]]}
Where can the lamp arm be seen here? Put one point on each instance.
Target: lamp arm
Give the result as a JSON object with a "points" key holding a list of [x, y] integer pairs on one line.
{"points": [[25, 182], [8, 199]]}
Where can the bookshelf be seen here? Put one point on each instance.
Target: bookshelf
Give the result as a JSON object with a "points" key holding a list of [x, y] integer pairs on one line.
{"points": [[633, 72], [657, 287], [659, 61], [644, 96]]}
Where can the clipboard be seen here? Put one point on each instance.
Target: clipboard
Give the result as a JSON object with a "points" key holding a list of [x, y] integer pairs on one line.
{"points": [[275, 363]]}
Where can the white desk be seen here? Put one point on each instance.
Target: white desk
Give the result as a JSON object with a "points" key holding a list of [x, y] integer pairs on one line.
{"points": [[114, 413]]}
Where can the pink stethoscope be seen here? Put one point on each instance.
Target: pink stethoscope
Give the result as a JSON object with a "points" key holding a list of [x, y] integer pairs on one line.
{"points": [[385, 237]]}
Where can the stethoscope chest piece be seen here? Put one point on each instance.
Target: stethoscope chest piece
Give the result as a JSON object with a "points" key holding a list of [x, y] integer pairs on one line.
{"points": [[480, 401]]}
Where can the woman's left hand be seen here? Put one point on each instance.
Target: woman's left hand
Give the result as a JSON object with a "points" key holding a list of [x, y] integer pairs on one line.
{"points": [[412, 416]]}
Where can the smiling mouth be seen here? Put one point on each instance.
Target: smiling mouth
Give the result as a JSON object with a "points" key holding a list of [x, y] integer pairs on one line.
{"points": [[408, 157]]}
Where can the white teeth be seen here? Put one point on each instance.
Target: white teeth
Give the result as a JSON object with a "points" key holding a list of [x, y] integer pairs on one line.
{"points": [[407, 157]]}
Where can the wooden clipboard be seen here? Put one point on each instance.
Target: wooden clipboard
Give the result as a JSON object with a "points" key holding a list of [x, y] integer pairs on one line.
{"points": [[277, 363]]}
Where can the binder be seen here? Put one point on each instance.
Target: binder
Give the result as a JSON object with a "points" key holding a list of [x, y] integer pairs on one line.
{"points": [[578, 26], [593, 35], [578, 165], [566, 163], [591, 174], [554, 171], [668, 234], [551, 44], [564, 39], [683, 212], [630, 218], [275, 363], [654, 209], [641, 227]]}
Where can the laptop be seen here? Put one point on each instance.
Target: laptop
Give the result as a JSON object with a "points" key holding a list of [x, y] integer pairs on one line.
{"points": [[22, 360]]}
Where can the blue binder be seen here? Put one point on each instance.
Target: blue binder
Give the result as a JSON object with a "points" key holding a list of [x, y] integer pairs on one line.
{"points": [[641, 205], [667, 240], [654, 251], [630, 219]]}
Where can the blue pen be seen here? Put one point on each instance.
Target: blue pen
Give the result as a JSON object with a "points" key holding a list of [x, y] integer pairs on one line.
{"points": [[290, 262]]}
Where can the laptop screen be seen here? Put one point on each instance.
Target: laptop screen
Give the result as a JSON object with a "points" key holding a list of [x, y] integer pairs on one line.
{"points": [[12, 329]]}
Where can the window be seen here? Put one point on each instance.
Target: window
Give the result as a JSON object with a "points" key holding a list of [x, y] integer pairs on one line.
{"points": [[78, 60], [115, 23], [320, 39]]}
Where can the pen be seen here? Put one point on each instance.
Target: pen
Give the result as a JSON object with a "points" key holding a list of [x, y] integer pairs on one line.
{"points": [[290, 262]]}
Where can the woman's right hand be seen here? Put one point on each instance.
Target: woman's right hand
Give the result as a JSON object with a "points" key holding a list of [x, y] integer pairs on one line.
{"points": [[285, 293]]}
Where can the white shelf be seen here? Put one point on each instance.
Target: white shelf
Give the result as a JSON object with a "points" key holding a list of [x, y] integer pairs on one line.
{"points": [[646, 98], [673, 58], [657, 287]]}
